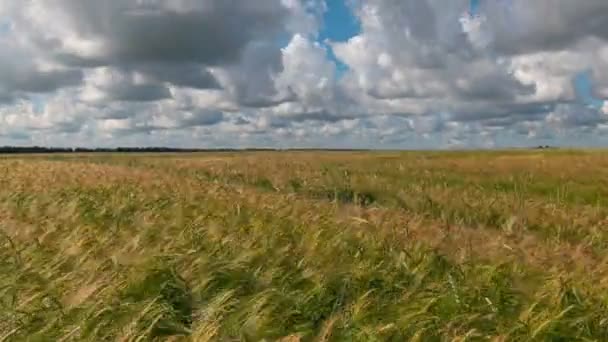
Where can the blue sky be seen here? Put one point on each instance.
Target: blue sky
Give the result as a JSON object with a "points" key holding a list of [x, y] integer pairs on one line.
{"points": [[474, 7], [5, 25], [583, 86], [339, 25]]}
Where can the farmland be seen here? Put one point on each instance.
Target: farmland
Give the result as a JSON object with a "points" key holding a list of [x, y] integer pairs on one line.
{"points": [[305, 246]]}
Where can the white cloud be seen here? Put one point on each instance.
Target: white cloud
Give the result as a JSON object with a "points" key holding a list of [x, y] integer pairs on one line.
{"points": [[307, 72]]}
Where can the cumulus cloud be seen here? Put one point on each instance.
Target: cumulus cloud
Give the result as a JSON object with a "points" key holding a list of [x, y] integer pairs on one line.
{"points": [[135, 32], [488, 71], [418, 73], [108, 85], [21, 73]]}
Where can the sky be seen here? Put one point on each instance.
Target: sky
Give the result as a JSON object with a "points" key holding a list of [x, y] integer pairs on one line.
{"points": [[384, 74]]}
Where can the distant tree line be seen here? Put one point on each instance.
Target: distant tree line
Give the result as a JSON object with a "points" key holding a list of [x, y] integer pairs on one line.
{"points": [[39, 149]]}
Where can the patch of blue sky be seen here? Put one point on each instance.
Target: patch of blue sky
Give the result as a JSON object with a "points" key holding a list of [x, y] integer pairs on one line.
{"points": [[474, 7], [38, 102], [583, 87], [339, 25], [283, 39], [5, 26]]}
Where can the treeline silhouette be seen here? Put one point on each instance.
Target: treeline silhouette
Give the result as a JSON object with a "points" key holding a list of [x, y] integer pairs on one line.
{"points": [[39, 149]]}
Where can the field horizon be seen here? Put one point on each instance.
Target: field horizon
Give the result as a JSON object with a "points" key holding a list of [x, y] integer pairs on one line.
{"points": [[4, 150]]}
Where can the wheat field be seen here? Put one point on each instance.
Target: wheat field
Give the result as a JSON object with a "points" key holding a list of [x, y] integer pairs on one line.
{"points": [[305, 246]]}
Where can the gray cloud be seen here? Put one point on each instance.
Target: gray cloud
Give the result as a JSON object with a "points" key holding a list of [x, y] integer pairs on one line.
{"points": [[107, 85], [563, 24], [143, 93], [43, 81], [167, 42], [207, 32], [496, 86], [16, 135], [251, 81], [184, 75], [201, 118], [567, 116], [19, 75]]}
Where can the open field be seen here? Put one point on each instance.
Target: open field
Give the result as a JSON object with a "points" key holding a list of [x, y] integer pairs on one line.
{"points": [[303, 246]]}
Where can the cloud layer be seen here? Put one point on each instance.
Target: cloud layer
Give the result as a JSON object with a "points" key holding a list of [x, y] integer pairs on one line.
{"points": [[230, 73]]}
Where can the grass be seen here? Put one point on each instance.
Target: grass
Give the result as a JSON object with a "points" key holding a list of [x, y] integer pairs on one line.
{"points": [[300, 246]]}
